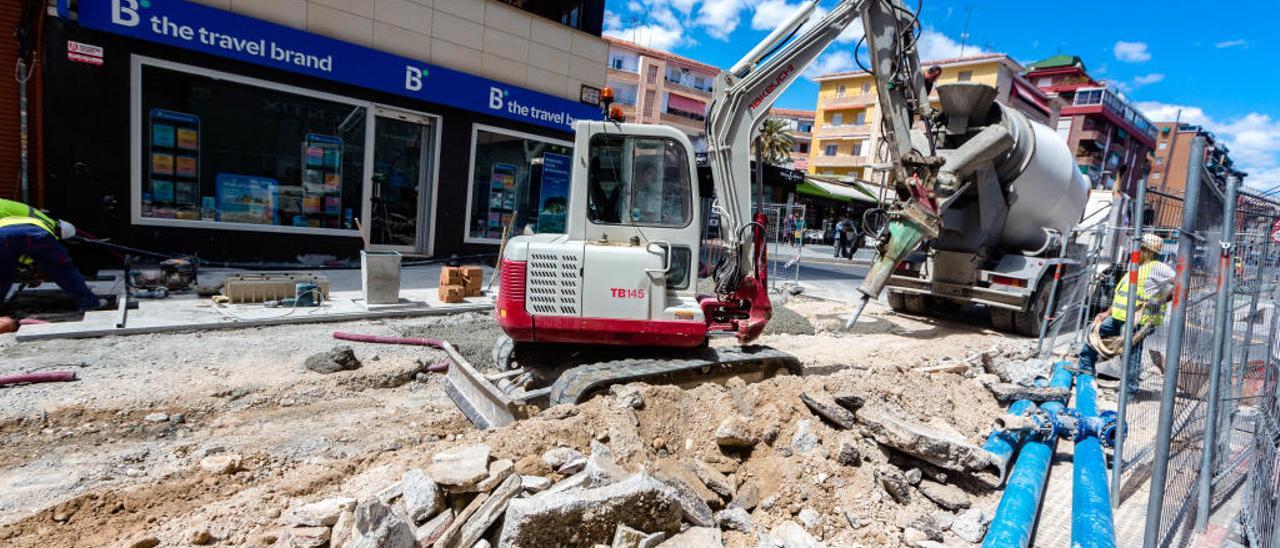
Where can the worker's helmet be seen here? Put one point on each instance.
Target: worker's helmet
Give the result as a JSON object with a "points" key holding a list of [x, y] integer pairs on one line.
{"points": [[66, 230], [1152, 242]]}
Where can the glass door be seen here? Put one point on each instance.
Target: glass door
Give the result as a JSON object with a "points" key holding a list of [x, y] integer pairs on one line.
{"points": [[401, 183]]}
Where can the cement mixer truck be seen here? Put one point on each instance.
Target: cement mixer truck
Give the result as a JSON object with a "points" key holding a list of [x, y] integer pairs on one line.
{"points": [[991, 230]]}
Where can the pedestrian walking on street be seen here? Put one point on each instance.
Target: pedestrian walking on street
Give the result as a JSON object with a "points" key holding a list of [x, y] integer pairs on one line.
{"points": [[837, 241]]}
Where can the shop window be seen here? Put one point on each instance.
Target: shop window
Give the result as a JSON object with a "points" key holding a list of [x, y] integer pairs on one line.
{"points": [[639, 181], [518, 181], [224, 151]]}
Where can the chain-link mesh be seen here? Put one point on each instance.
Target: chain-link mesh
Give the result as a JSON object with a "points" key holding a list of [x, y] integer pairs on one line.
{"points": [[1076, 291], [1262, 491]]}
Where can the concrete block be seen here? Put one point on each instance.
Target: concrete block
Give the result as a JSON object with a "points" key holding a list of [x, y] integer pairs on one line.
{"points": [[404, 14], [640, 502], [507, 46], [290, 13], [362, 8], [944, 449], [468, 9], [695, 537], [458, 30], [394, 39], [422, 497], [460, 468], [508, 19], [550, 33], [454, 56], [340, 24]]}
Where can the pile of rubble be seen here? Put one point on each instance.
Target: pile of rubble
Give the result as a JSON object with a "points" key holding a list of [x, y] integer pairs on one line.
{"points": [[853, 459]]}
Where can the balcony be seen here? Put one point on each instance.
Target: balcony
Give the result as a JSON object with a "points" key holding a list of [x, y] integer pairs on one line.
{"points": [[840, 160], [848, 101], [687, 85], [844, 131], [630, 77], [1089, 97]]}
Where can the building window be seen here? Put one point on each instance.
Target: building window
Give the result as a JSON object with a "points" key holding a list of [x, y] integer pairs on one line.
{"points": [[510, 190], [840, 90], [829, 150], [866, 88], [1155, 175], [805, 127], [245, 155], [1163, 146], [802, 148], [837, 119], [1045, 81], [857, 148], [965, 76], [860, 118], [638, 181]]}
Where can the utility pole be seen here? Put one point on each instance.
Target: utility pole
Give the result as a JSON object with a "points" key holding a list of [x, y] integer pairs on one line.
{"points": [[964, 36]]}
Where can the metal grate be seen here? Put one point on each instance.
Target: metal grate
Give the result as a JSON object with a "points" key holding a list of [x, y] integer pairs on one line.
{"points": [[553, 283]]}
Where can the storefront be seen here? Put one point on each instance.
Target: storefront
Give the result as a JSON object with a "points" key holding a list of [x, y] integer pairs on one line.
{"points": [[827, 203], [183, 128]]}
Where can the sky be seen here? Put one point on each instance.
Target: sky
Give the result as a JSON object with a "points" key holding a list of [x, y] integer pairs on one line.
{"points": [[1212, 64]]}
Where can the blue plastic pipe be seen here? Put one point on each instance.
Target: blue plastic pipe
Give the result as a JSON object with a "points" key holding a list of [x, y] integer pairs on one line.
{"points": [[1016, 515], [1091, 523], [1003, 443]]}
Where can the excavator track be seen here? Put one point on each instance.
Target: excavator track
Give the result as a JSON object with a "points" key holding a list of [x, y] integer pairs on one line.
{"points": [[751, 363], [490, 400]]}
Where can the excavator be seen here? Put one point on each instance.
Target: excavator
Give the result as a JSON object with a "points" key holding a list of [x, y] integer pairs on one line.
{"points": [[615, 299]]}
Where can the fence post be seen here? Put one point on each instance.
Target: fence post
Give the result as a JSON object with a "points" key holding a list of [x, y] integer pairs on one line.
{"points": [[1053, 294], [1221, 325], [1135, 252], [1173, 350]]}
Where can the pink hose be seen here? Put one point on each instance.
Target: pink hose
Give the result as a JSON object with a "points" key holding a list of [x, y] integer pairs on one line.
{"points": [[439, 367], [31, 321], [32, 378], [357, 337]]}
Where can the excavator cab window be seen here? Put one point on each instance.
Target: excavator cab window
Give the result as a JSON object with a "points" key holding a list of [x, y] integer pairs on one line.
{"points": [[640, 181]]}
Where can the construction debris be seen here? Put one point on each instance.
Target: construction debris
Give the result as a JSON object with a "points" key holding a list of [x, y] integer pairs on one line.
{"points": [[340, 358], [945, 449]]}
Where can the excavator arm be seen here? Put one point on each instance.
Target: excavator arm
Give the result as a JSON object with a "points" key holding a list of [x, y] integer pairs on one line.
{"points": [[742, 99]]}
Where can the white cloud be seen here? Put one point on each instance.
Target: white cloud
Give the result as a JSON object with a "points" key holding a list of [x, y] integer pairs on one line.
{"points": [[771, 13], [1132, 52], [684, 6], [1254, 139], [719, 18], [833, 61], [1231, 44], [935, 46], [650, 36], [1148, 79]]}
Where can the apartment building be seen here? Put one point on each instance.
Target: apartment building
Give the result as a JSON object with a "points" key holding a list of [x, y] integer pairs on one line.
{"points": [[1170, 161], [846, 139], [800, 122], [1111, 138], [270, 129], [657, 87]]}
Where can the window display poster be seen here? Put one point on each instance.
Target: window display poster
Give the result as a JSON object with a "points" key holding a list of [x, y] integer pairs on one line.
{"points": [[502, 196], [322, 178], [186, 166], [247, 199], [162, 191], [553, 198], [161, 163], [174, 157]]}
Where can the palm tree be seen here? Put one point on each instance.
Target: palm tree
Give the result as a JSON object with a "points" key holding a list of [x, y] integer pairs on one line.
{"points": [[776, 140]]}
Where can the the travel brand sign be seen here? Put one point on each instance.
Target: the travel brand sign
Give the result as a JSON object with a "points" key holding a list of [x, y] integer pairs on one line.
{"points": [[208, 30]]}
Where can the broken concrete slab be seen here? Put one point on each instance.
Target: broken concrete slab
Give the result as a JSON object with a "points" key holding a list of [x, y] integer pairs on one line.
{"points": [[970, 525], [378, 526], [460, 468], [948, 497], [534, 484], [695, 537], [626, 537], [434, 528], [681, 472], [557, 458], [747, 496], [422, 497], [488, 512], [1007, 393], [599, 470], [499, 471], [944, 449], [824, 406], [736, 519], [322, 513], [454, 530], [894, 483], [306, 537], [804, 440], [591, 515], [849, 454], [790, 534]]}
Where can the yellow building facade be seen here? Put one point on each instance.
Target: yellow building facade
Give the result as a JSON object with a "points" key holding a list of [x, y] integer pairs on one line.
{"points": [[846, 134]]}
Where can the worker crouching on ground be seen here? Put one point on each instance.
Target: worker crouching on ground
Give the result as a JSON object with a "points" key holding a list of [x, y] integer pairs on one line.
{"points": [[1155, 287], [26, 232]]}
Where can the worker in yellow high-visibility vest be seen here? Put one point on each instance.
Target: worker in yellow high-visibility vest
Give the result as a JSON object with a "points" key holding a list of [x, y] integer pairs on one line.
{"points": [[26, 232], [1155, 287]]}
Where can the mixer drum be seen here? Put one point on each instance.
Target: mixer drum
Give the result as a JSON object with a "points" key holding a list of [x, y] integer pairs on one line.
{"points": [[1049, 192]]}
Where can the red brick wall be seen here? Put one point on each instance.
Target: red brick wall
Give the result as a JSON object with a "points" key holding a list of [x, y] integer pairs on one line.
{"points": [[10, 12]]}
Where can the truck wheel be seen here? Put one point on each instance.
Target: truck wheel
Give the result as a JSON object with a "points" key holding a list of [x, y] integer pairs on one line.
{"points": [[1002, 320], [1028, 323], [917, 304], [896, 301]]}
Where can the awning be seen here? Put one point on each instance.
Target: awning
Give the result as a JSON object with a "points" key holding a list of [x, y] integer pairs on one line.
{"points": [[680, 102], [833, 191]]}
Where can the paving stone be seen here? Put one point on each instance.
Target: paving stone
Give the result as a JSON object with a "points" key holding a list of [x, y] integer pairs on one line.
{"points": [[591, 515], [460, 468], [421, 496]]}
